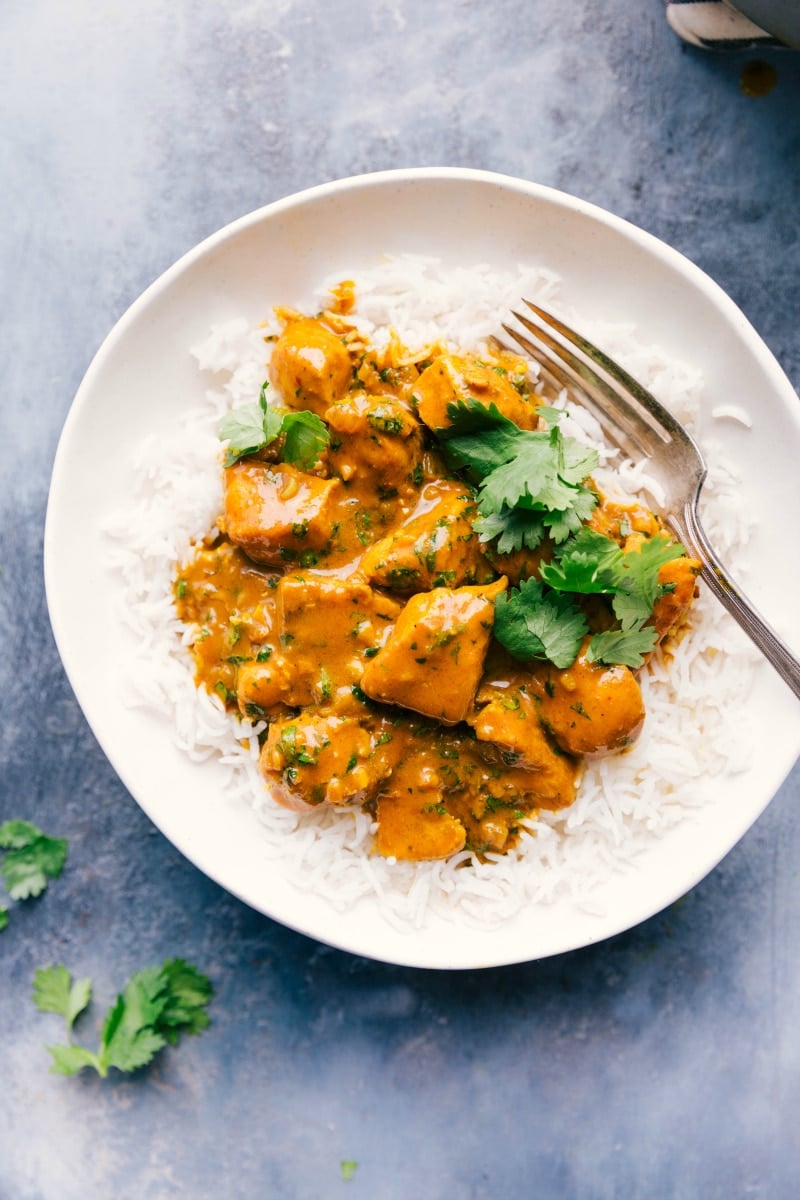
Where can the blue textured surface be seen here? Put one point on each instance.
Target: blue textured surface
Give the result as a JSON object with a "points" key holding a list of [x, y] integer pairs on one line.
{"points": [[664, 1063]]}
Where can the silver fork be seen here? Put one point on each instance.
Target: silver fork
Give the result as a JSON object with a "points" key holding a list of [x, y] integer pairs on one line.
{"points": [[635, 421]]}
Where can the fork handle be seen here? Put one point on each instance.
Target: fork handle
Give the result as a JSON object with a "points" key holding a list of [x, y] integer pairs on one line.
{"points": [[719, 582]]}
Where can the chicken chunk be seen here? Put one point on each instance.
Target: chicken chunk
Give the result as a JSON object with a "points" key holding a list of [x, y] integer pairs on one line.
{"points": [[507, 716], [437, 547], [321, 758], [413, 823], [277, 513], [670, 610], [620, 521], [264, 688], [380, 440], [589, 708], [433, 658], [328, 628], [454, 377], [310, 366]]}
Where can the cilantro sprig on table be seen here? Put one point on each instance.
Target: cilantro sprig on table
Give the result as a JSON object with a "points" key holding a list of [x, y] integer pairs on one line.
{"points": [[156, 1005], [29, 860], [154, 1008], [252, 427], [532, 485]]}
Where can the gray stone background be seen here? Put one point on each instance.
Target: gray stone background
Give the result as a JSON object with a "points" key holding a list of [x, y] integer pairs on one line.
{"points": [[663, 1063]]}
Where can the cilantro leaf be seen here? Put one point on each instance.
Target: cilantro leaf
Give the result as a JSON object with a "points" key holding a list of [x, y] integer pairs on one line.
{"points": [[541, 472], [587, 564], [626, 647], [16, 833], [550, 416], [31, 858], [514, 529], [532, 485], [54, 991], [637, 582], [562, 524], [546, 473], [251, 427], [348, 1169], [246, 430], [533, 624], [630, 609], [532, 467], [188, 993], [576, 460], [69, 1060], [591, 563], [156, 1005], [3, 917], [306, 436], [129, 1038], [479, 437]]}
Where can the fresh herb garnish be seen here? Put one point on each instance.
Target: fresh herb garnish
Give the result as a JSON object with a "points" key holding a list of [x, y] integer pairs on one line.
{"points": [[325, 684], [514, 529], [249, 428], [385, 421], [637, 573], [540, 620], [593, 564], [305, 437], [156, 1005], [626, 647], [252, 427], [534, 624], [530, 484], [586, 564], [54, 991], [31, 858]]}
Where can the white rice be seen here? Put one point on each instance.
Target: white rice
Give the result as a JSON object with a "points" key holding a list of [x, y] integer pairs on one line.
{"points": [[694, 728]]}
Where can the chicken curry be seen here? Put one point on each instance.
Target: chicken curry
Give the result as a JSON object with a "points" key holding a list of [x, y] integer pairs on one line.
{"points": [[348, 600]]}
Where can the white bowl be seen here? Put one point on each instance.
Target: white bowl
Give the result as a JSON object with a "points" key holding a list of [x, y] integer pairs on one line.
{"points": [[142, 378]]}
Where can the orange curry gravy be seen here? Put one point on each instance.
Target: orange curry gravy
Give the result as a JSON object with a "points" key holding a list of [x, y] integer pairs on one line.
{"points": [[351, 606]]}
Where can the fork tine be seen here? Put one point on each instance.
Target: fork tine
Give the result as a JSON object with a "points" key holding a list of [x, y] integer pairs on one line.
{"points": [[549, 372], [575, 385], [625, 418], [579, 381], [644, 404], [600, 358], [563, 377]]}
